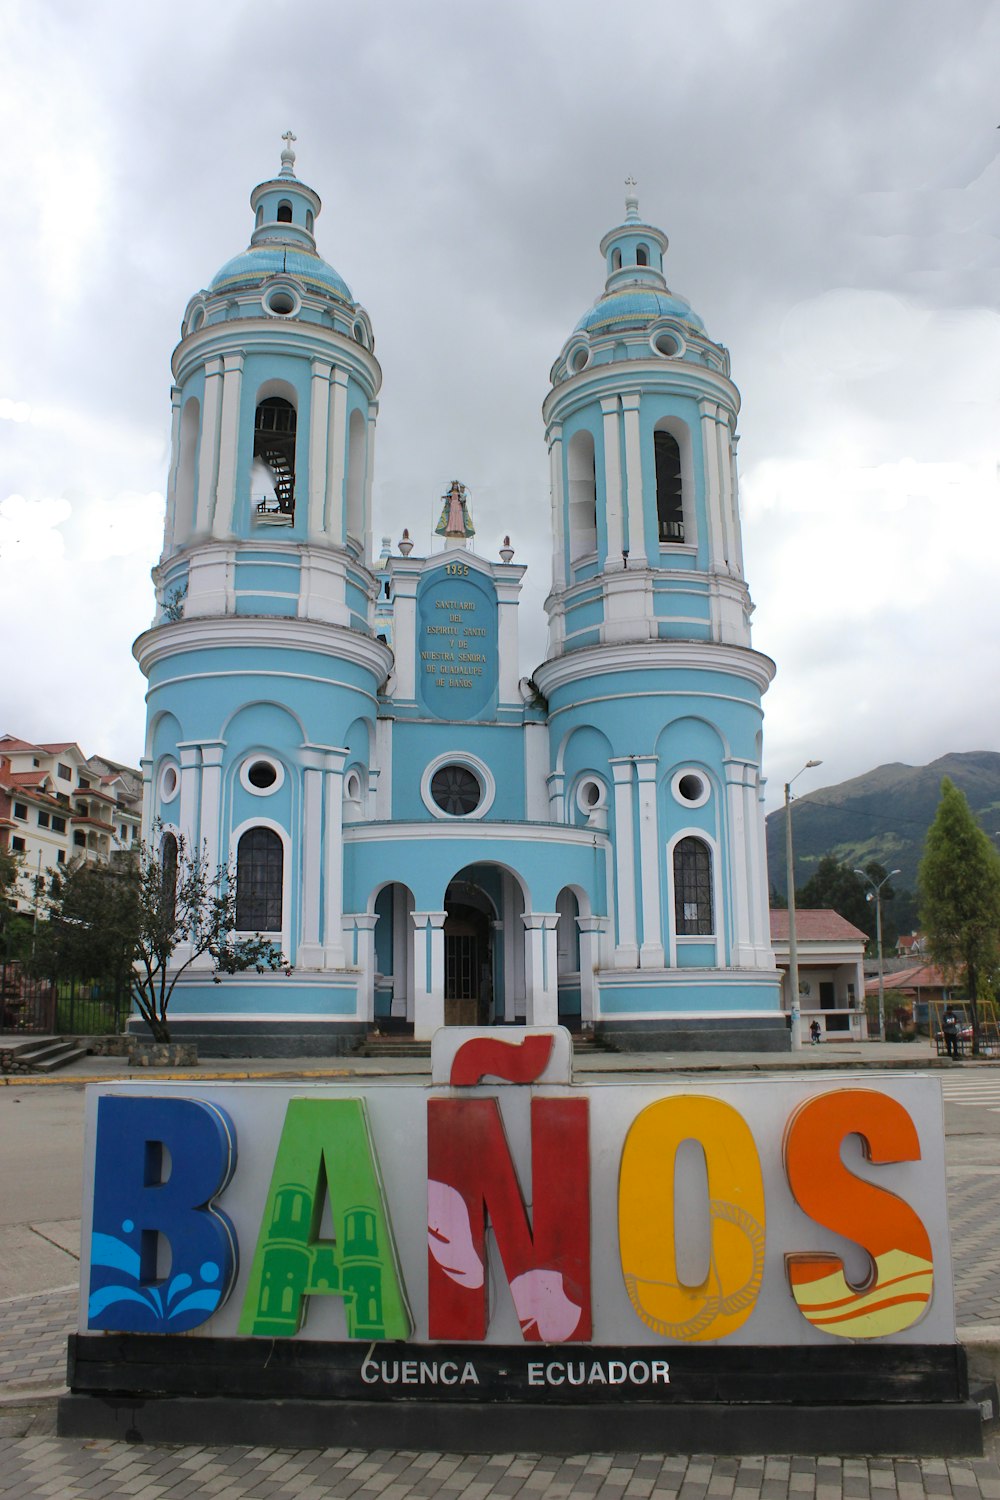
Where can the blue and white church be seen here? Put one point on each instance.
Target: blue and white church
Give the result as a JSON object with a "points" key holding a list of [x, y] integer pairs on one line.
{"points": [[431, 837]]}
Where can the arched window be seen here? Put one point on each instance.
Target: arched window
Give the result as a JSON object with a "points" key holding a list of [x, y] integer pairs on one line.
{"points": [[309, 220], [693, 916], [582, 475], [274, 446], [669, 491], [284, 212], [616, 260], [259, 878], [260, 217], [641, 255], [168, 876]]}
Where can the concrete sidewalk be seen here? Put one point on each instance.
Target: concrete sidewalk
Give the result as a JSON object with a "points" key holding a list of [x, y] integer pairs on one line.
{"points": [[33, 1462]]}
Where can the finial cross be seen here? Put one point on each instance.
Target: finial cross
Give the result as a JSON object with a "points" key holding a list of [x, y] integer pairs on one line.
{"points": [[630, 183], [288, 138]]}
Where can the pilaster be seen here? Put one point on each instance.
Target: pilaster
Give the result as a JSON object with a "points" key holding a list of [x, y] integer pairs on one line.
{"points": [[541, 960], [613, 485], [651, 955], [626, 954], [224, 509], [428, 973], [633, 482], [319, 426]]}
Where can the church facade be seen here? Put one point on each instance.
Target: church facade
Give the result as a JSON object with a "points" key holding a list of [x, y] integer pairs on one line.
{"points": [[431, 837]]}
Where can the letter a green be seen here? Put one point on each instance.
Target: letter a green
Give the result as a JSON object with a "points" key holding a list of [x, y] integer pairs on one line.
{"points": [[326, 1148]]}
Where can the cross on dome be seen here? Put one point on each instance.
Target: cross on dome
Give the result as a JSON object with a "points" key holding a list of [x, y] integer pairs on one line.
{"points": [[631, 200], [288, 155]]}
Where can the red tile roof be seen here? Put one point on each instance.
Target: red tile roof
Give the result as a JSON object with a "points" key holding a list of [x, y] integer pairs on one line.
{"points": [[815, 926], [922, 977]]}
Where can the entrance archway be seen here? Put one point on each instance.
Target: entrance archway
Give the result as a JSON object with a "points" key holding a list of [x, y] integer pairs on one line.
{"points": [[468, 966], [483, 947]]}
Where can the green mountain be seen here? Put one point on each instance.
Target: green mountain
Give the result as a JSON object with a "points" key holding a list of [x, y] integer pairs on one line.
{"points": [[883, 815]]}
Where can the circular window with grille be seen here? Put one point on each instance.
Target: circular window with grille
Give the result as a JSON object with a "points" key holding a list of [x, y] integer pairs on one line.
{"points": [[457, 786], [456, 791]]}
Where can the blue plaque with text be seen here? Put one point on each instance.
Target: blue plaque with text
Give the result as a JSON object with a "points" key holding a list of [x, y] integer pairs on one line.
{"points": [[457, 655]]}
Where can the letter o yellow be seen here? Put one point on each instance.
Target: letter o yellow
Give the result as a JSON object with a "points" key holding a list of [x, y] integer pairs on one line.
{"points": [[646, 1208]]}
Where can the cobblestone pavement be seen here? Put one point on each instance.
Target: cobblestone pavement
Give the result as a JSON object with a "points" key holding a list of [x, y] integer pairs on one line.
{"points": [[100, 1470]]}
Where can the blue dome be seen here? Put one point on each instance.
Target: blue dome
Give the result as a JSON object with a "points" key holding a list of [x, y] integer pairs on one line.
{"points": [[259, 262], [634, 306]]}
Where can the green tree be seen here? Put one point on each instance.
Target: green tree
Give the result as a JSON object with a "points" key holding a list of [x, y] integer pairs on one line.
{"points": [[130, 918], [960, 897], [835, 884]]}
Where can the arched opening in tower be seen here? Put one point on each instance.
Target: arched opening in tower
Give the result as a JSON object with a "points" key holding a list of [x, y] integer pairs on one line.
{"points": [[274, 448], [669, 490]]}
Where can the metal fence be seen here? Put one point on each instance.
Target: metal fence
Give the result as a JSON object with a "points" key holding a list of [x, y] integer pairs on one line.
{"points": [[34, 1006]]}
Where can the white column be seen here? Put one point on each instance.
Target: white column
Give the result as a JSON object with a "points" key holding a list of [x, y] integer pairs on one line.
{"points": [[383, 787], [541, 967], [175, 453], [428, 973], [336, 456], [734, 489], [333, 860], [310, 953], [146, 766], [359, 931], [633, 483], [208, 453], [189, 755], [366, 529], [404, 627], [651, 954], [536, 758], [626, 950], [210, 820], [558, 517], [556, 783], [402, 937], [224, 512], [725, 493], [508, 591], [590, 959], [613, 485], [710, 455], [757, 862], [319, 426], [739, 924]]}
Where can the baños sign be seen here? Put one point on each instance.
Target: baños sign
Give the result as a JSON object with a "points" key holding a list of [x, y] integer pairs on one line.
{"points": [[427, 1229]]}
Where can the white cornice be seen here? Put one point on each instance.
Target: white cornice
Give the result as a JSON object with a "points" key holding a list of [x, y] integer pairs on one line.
{"points": [[482, 833], [638, 377], [304, 340], [261, 633], [654, 656]]}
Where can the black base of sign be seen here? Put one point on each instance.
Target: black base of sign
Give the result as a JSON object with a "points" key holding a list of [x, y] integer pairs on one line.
{"points": [[530, 1398]]}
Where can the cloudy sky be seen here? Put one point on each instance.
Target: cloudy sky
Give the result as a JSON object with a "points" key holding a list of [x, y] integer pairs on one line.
{"points": [[829, 180]]}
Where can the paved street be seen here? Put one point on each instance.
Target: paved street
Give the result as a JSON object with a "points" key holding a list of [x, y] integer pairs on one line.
{"points": [[40, 1143]]}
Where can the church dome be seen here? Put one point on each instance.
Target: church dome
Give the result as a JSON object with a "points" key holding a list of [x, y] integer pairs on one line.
{"points": [[283, 242], [259, 262], [635, 293], [634, 307]]}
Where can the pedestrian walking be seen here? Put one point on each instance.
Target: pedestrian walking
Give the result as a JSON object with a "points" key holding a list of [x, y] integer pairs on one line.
{"points": [[949, 1026]]}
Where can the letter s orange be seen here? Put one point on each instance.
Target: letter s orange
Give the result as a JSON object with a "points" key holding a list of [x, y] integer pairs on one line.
{"points": [[900, 1284]]}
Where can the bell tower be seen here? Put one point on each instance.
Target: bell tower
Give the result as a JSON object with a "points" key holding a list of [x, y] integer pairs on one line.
{"points": [[654, 691], [274, 408], [263, 665]]}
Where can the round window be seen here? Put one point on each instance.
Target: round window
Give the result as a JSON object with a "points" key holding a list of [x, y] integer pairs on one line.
{"points": [[169, 782], [667, 343], [261, 775], [691, 787], [579, 359], [456, 790], [281, 302]]}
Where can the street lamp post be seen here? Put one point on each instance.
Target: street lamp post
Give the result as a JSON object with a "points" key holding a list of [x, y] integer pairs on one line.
{"points": [[793, 952], [875, 894]]}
